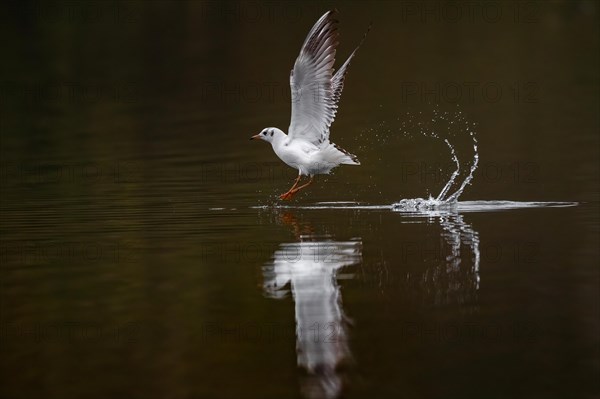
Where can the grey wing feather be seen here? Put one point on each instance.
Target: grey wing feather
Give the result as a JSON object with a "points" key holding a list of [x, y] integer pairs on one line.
{"points": [[340, 75], [313, 108], [315, 90]]}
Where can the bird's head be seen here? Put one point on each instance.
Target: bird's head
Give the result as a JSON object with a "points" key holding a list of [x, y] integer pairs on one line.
{"points": [[268, 134]]}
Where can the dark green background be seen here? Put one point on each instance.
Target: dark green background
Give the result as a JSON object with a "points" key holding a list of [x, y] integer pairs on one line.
{"points": [[124, 126]]}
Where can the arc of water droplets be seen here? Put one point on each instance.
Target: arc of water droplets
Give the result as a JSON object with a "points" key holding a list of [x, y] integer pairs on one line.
{"points": [[450, 182], [453, 197]]}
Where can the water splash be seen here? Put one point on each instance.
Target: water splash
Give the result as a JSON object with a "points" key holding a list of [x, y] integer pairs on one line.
{"points": [[450, 182], [428, 207], [445, 199], [457, 193]]}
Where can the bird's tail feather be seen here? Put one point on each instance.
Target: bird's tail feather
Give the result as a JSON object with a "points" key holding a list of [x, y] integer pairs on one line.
{"points": [[342, 156]]}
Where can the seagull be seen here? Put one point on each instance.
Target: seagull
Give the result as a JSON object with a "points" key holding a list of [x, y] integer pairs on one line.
{"points": [[316, 91]]}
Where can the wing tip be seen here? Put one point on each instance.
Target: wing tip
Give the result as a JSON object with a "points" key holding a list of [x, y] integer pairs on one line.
{"points": [[322, 34], [365, 35]]}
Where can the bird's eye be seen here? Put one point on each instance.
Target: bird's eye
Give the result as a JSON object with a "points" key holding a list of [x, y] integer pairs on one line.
{"points": [[265, 133]]}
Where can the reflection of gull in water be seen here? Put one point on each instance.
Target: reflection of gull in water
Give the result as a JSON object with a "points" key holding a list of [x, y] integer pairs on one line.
{"points": [[310, 266]]}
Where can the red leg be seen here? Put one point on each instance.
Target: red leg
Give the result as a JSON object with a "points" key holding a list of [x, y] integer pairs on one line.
{"points": [[294, 190], [287, 194], [304, 185]]}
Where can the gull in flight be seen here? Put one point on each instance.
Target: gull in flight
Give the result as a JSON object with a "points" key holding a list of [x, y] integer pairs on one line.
{"points": [[316, 91]]}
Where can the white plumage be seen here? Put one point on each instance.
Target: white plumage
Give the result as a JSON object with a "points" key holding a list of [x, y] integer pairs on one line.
{"points": [[316, 91]]}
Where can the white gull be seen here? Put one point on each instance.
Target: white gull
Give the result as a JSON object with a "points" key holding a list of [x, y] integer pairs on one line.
{"points": [[316, 91]]}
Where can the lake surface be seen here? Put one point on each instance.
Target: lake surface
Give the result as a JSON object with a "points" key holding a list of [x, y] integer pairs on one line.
{"points": [[144, 252]]}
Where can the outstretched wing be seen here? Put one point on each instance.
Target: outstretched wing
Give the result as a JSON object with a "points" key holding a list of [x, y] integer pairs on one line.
{"points": [[338, 79], [313, 104], [315, 92]]}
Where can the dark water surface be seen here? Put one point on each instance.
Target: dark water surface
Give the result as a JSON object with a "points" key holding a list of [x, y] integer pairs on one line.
{"points": [[144, 253]]}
